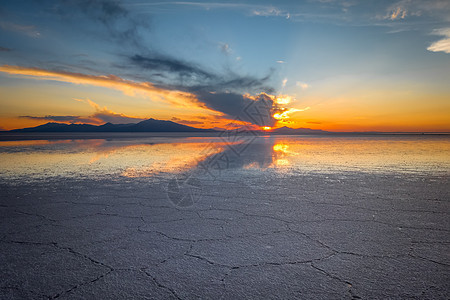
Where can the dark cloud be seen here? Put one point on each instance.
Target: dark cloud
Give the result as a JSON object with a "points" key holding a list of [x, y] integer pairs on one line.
{"points": [[166, 64], [177, 74], [258, 111], [4, 49], [97, 118], [236, 83], [220, 92]]}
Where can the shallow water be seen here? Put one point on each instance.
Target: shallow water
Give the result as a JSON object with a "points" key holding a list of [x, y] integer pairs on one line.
{"points": [[213, 156]]}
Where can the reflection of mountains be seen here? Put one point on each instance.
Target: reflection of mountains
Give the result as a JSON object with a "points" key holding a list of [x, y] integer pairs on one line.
{"points": [[210, 157], [153, 156]]}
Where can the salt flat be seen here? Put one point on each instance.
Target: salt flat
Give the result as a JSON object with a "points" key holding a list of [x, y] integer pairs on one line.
{"points": [[240, 234], [316, 236]]}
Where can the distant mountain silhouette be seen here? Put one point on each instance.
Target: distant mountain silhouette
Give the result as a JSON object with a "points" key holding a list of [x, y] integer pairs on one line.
{"points": [[150, 125]]}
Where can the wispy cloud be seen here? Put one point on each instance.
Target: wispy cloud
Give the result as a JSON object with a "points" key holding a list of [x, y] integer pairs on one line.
{"points": [[64, 119], [432, 13], [443, 45], [128, 87], [251, 9], [186, 122], [225, 48], [204, 5], [113, 16], [397, 13], [439, 10], [29, 30], [302, 85], [270, 11], [254, 9], [102, 115], [160, 63]]}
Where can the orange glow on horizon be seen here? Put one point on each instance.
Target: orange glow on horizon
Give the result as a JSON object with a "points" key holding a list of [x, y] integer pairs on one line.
{"points": [[383, 110]]}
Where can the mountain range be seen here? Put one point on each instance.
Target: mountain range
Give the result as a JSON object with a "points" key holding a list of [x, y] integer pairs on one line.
{"points": [[150, 125]]}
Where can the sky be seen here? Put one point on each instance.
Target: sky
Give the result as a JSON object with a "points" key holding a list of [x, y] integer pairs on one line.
{"points": [[337, 65]]}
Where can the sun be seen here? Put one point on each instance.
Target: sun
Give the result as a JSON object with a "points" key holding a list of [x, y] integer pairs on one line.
{"points": [[266, 128]]}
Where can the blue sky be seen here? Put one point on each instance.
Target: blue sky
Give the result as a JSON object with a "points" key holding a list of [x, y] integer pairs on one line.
{"points": [[319, 52]]}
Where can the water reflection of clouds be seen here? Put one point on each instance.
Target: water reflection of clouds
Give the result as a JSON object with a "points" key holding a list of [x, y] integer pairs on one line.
{"points": [[155, 156], [186, 158], [337, 154], [130, 158]]}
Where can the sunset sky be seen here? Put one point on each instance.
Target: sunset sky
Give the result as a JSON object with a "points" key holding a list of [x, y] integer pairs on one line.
{"points": [[338, 65]]}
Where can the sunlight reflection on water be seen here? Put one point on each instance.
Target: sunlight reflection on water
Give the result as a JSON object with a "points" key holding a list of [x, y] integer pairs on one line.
{"points": [[147, 157]]}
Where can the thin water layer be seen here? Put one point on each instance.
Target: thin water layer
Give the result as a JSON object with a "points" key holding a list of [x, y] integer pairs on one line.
{"points": [[151, 156]]}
